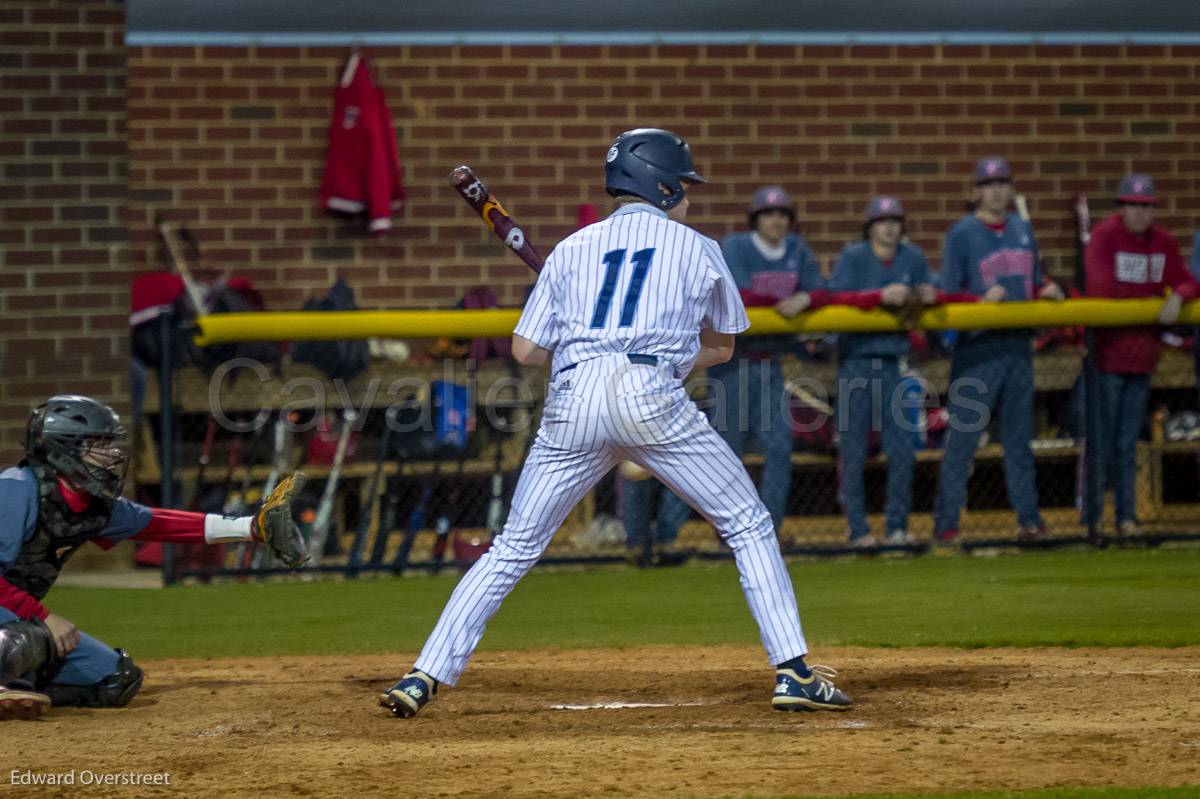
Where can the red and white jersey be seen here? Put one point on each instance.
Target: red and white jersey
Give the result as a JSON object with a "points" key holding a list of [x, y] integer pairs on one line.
{"points": [[362, 167]]}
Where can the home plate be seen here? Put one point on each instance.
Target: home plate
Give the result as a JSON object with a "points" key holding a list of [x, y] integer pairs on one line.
{"points": [[624, 705]]}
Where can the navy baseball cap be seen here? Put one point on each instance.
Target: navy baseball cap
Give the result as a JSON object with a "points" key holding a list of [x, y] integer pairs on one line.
{"points": [[990, 169], [1137, 188], [769, 197], [884, 208]]}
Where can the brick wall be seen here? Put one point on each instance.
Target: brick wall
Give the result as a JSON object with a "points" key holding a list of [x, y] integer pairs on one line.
{"points": [[233, 140], [63, 263]]}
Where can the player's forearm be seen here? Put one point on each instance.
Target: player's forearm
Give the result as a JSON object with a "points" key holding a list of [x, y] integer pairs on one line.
{"points": [[711, 356], [188, 527], [715, 348]]}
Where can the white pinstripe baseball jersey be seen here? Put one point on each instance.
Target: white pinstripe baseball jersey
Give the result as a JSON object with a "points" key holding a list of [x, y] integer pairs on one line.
{"points": [[636, 282]]}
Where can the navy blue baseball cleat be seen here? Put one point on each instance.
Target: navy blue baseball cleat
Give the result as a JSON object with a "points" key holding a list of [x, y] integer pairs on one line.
{"points": [[414, 691], [815, 692]]}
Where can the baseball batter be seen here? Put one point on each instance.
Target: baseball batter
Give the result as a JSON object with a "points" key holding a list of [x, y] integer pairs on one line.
{"points": [[623, 310]]}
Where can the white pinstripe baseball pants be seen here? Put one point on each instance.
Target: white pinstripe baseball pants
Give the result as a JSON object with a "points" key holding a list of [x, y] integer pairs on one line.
{"points": [[597, 414]]}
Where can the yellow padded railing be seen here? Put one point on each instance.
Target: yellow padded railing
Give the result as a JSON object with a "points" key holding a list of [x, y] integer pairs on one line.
{"points": [[330, 325]]}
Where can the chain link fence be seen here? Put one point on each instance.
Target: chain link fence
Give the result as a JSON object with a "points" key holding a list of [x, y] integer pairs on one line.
{"points": [[430, 466]]}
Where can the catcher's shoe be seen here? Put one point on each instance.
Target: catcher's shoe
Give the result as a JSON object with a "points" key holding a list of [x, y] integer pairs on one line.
{"points": [[815, 692], [414, 691], [19, 702]]}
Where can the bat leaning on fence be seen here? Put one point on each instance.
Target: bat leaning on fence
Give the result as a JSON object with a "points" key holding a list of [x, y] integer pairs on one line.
{"points": [[416, 517], [324, 518], [390, 501], [367, 513], [210, 434], [280, 461]]}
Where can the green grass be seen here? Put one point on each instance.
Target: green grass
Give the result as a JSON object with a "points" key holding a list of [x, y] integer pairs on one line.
{"points": [[1048, 793], [1116, 598]]}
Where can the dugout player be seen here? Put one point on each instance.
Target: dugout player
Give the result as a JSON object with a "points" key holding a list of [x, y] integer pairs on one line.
{"points": [[992, 254], [748, 401], [624, 309], [64, 493], [773, 266], [1195, 270], [1130, 256], [886, 271]]}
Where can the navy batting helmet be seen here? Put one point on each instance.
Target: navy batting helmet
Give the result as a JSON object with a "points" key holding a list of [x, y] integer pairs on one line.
{"points": [[650, 163]]}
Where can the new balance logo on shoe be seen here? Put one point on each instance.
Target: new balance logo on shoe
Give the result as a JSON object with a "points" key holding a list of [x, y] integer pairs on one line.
{"points": [[816, 692]]}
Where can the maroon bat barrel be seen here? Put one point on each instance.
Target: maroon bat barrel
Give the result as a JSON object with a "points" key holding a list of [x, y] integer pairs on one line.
{"points": [[478, 196]]}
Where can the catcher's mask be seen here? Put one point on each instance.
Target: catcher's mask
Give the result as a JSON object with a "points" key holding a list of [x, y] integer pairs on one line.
{"points": [[81, 440]]}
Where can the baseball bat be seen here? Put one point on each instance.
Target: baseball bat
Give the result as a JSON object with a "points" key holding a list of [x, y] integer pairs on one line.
{"points": [[255, 557], [210, 434], [387, 517], [1022, 207], [1083, 236], [231, 464], [416, 518], [368, 509], [391, 501], [480, 198], [167, 232], [238, 501], [324, 519], [444, 523]]}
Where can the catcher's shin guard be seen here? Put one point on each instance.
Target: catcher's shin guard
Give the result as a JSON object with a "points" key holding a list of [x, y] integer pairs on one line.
{"points": [[26, 647], [115, 690]]}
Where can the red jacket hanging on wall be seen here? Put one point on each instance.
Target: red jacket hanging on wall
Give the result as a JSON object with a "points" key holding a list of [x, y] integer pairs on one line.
{"points": [[362, 167]]}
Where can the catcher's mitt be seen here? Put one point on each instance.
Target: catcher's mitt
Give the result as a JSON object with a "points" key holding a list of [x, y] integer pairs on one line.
{"points": [[274, 527]]}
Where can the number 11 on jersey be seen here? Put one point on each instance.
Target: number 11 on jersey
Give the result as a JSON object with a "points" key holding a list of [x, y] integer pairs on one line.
{"points": [[613, 261]]}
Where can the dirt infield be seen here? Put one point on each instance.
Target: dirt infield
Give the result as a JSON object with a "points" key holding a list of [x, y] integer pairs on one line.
{"points": [[927, 720]]}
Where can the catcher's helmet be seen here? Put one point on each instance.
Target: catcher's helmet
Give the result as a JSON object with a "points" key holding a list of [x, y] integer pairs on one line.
{"points": [[650, 163], [75, 436]]}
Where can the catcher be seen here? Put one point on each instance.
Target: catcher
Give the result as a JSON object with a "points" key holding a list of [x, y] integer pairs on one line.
{"points": [[66, 492]]}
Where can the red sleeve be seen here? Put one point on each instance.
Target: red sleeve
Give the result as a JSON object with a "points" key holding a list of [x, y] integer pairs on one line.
{"points": [[866, 300], [1098, 260], [944, 297], [20, 603], [752, 299], [175, 526], [1177, 276]]}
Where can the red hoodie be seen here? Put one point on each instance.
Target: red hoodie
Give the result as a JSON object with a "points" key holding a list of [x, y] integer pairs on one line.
{"points": [[1121, 264]]}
